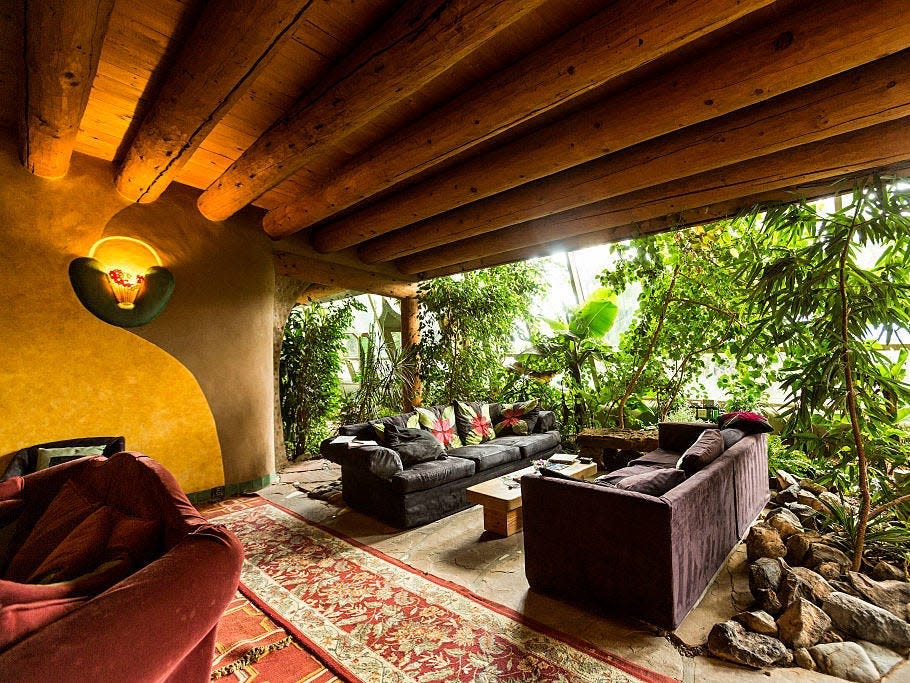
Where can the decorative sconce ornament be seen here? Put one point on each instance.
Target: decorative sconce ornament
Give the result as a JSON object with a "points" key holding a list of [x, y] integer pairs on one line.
{"points": [[123, 286]]}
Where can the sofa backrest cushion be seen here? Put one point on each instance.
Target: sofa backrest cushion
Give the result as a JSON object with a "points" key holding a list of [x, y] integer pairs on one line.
{"points": [[413, 445], [706, 449], [655, 483], [474, 423]]}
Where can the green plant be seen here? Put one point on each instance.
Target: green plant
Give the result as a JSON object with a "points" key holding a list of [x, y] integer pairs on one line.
{"points": [[814, 297], [382, 379], [310, 360], [467, 325]]}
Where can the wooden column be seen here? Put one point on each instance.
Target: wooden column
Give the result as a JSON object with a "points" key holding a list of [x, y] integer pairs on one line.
{"points": [[410, 339], [62, 47]]}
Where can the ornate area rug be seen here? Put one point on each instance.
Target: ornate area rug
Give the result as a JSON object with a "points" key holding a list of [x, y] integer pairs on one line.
{"points": [[372, 618], [251, 646]]}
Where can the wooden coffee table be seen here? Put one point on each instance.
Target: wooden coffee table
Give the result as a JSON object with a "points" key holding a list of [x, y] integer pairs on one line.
{"points": [[502, 504]]}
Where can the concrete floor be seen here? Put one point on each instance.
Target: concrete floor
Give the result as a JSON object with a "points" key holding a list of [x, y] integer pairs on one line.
{"points": [[457, 549]]}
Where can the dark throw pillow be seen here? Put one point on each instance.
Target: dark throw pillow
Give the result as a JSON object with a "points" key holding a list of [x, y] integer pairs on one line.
{"points": [[473, 421], [413, 445], [556, 474], [517, 418], [731, 436], [706, 449], [750, 423], [654, 483]]}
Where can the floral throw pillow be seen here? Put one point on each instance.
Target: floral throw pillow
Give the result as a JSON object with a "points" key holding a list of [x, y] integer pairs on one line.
{"points": [[474, 423], [412, 422], [440, 422], [517, 418], [750, 423]]}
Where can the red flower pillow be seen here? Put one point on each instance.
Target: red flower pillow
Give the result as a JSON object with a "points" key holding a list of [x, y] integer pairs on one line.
{"points": [[517, 418], [750, 423], [440, 422]]}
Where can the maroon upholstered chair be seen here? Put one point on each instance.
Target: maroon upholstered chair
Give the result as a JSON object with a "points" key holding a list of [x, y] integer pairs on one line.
{"points": [[155, 624]]}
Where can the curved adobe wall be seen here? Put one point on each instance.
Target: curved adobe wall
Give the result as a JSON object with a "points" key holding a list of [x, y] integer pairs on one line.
{"points": [[193, 389]]}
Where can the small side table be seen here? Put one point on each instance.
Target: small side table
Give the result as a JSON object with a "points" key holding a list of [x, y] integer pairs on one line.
{"points": [[614, 448]]}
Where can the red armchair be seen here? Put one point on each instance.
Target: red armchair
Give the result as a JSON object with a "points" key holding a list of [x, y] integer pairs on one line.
{"points": [[156, 624]]}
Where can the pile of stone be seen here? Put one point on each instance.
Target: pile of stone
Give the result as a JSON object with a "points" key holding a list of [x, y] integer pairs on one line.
{"points": [[810, 609]]}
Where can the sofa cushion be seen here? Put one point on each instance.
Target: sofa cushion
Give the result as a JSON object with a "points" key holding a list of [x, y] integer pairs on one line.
{"points": [[80, 552], [655, 482], [657, 457], [134, 538], [614, 477], [516, 418], [378, 460], [413, 445], [473, 421], [428, 475], [488, 455], [750, 423], [530, 444], [440, 422], [64, 513], [706, 449], [403, 421], [18, 621], [93, 583]]}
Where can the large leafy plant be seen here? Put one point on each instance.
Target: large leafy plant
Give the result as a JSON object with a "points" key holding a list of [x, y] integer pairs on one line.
{"points": [[309, 365], [828, 288]]}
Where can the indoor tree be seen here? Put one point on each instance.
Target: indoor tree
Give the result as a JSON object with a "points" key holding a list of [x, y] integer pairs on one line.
{"points": [[828, 288]]}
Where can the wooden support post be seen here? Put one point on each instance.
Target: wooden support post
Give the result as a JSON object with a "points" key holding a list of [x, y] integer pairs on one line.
{"points": [[62, 47], [410, 340]]}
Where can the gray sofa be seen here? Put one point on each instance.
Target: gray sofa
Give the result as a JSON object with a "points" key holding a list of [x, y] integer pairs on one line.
{"points": [[428, 491], [639, 555]]}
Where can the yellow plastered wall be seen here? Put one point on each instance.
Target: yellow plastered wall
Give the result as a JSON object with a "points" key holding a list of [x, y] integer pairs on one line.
{"points": [[189, 389]]}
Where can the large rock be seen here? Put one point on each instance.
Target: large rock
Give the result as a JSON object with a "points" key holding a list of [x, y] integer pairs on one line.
{"points": [[812, 486], [819, 586], [784, 522], [803, 659], [763, 541], [789, 494], [768, 601], [785, 480], [830, 570], [809, 499], [845, 660], [804, 512], [730, 641], [820, 552], [765, 574], [758, 621], [796, 585], [890, 595], [881, 657], [798, 546], [885, 571], [865, 621], [802, 624], [832, 501]]}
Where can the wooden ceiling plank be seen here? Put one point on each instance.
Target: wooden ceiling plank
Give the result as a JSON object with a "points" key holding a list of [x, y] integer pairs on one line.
{"points": [[683, 219], [421, 41], [622, 37], [62, 47], [877, 146], [338, 275], [207, 78], [865, 96], [788, 52]]}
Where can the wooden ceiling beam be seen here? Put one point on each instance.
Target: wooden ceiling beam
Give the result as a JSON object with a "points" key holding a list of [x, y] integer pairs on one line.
{"points": [[230, 45], [865, 96], [62, 48], [622, 37], [886, 144], [421, 41], [315, 293], [341, 276], [791, 51], [682, 219]]}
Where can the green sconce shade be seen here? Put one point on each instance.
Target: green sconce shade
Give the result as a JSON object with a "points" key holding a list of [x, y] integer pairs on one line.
{"points": [[93, 287]]}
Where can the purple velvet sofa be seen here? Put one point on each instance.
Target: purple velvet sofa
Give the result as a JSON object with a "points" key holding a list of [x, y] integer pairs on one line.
{"points": [[637, 555]]}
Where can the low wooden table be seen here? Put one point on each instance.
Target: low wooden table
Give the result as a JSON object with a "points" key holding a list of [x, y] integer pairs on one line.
{"points": [[614, 448], [502, 504]]}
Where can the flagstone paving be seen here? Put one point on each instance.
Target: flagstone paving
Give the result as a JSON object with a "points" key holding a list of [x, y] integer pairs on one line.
{"points": [[457, 549]]}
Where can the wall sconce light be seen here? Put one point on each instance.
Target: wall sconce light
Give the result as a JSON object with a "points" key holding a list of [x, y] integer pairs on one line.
{"points": [[122, 281]]}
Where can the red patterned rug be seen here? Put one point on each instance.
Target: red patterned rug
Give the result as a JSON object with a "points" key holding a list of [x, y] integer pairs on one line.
{"points": [[372, 618]]}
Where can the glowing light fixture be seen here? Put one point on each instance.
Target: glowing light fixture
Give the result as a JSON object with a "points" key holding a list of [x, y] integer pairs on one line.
{"points": [[122, 281]]}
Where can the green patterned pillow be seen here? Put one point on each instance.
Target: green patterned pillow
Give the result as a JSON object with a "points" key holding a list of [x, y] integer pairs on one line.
{"points": [[474, 424], [413, 422], [440, 422], [517, 418]]}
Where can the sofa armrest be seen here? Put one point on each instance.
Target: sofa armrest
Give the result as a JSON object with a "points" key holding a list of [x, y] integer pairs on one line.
{"points": [[546, 421], [587, 542], [142, 628], [678, 436]]}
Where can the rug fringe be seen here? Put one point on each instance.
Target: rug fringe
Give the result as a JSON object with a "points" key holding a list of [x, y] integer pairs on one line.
{"points": [[251, 657]]}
